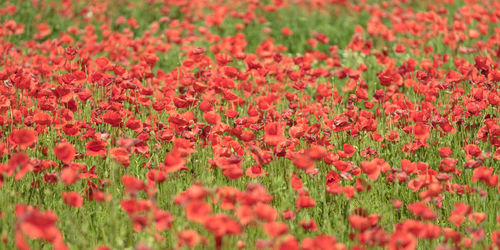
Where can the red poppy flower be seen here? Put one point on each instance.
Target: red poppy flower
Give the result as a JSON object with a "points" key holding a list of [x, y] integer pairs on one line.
{"points": [[485, 174], [95, 148], [288, 215], [23, 138], [374, 167], [102, 62], [112, 118], [409, 167], [158, 176], [163, 220], [448, 165], [19, 163], [392, 136], [212, 117], [401, 240], [132, 184], [332, 177], [316, 152], [134, 124], [472, 150], [198, 211], [453, 76], [359, 223], [275, 228], [3, 149], [39, 225], [286, 31], [273, 134], [421, 131], [42, 118], [445, 152], [296, 182], [221, 224], [120, 155], [65, 152], [43, 31], [302, 161], [102, 248], [173, 162], [265, 212], [189, 238], [309, 225], [321, 241], [296, 132], [349, 150], [349, 191], [73, 199], [477, 217], [233, 172], [254, 171], [422, 210], [69, 175], [305, 202], [389, 76]]}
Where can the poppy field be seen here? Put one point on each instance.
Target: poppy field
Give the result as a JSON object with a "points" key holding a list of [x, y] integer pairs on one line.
{"points": [[246, 124]]}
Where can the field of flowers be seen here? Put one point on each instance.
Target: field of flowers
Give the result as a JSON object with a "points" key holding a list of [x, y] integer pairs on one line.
{"points": [[247, 124]]}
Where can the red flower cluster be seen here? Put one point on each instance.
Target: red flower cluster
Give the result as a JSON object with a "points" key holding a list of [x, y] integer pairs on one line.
{"points": [[217, 124]]}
